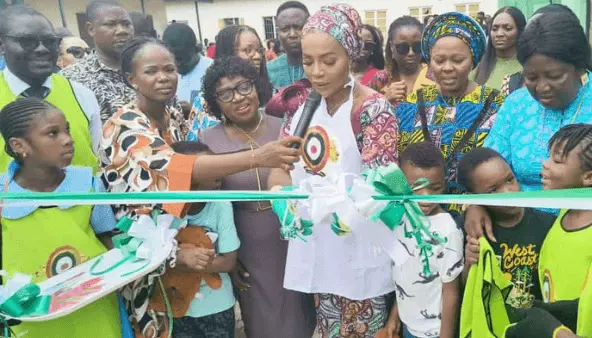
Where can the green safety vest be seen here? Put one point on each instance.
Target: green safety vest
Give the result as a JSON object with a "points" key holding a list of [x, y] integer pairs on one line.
{"points": [[61, 96]]}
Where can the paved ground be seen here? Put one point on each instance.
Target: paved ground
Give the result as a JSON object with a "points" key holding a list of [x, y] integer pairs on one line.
{"points": [[240, 333]]}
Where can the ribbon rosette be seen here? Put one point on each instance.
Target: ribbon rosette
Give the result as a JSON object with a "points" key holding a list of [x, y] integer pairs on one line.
{"points": [[142, 237], [21, 297], [390, 181]]}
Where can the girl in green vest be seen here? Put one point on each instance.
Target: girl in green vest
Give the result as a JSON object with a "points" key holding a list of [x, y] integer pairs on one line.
{"points": [[46, 241], [566, 254]]}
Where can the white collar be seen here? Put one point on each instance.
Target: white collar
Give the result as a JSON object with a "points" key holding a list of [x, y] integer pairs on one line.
{"points": [[18, 86]]}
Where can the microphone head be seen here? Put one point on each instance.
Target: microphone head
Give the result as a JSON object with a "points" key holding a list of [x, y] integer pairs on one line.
{"points": [[313, 97]]}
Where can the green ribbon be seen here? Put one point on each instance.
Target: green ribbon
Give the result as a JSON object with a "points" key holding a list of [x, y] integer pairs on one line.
{"points": [[128, 246], [391, 181], [291, 226], [26, 302]]}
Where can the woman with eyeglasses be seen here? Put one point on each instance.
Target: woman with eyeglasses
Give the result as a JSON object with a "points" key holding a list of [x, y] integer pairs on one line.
{"points": [[136, 153], [405, 70], [241, 41], [72, 50], [456, 114], [232, 91], [500, 57], [371, 60]]}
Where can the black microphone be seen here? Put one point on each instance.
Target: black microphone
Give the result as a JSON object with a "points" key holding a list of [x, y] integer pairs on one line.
{"points": [[310, 106]]}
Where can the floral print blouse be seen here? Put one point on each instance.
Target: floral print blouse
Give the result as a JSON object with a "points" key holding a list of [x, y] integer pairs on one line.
{"points": [[136, 156], [375, 128]]}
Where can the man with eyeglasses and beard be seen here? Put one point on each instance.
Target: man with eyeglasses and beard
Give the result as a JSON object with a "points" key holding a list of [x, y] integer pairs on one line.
{"points": [[30, 46], [72, 50], [111, 28]]}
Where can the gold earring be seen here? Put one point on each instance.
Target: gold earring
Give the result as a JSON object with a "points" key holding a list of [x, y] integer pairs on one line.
{"points": [[24, 155]]}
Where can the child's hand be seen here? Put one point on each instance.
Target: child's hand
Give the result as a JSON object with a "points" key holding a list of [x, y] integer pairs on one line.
{"points": [[472, 251], [393, 324], [239, 277], [196, 259]]}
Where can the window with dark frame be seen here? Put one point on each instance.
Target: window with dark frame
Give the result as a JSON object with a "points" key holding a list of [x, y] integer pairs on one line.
{"points": [[269, 24]]}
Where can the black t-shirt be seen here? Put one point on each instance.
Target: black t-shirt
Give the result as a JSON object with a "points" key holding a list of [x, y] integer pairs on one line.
{"points": [[518, 248]]}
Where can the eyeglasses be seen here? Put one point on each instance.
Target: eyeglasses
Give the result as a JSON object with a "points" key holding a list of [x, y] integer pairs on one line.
{"points": [[78, 52], [250, 52], [244, 88], [403, 48], [369, 45], [30, 43]]}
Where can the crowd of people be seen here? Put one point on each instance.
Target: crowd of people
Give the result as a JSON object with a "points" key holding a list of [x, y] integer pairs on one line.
{"points": [[462, 106]]}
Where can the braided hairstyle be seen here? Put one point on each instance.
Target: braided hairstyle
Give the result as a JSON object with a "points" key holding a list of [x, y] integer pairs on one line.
{"points": [[403, 21], [17, 117], [129, 52], [572, 136], [226, 42]]}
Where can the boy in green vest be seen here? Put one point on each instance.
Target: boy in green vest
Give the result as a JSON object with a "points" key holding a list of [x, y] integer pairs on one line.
{"points": [[520, 231]]}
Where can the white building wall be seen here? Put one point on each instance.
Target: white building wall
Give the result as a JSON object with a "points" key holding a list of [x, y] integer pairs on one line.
{"points": [[253, 11]]}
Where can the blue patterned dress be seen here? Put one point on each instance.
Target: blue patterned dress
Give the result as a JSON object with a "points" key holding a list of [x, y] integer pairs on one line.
{"points": [[523, 128], [447, 124], [199, 119]]}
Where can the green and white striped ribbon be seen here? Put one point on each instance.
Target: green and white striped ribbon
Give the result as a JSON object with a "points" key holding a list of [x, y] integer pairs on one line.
{"points": [[555, 199]]}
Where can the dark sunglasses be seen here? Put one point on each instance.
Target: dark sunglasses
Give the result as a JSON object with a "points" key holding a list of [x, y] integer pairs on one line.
{"points": [[78, 52], [403, 48], [244, 88], [30, 43]]}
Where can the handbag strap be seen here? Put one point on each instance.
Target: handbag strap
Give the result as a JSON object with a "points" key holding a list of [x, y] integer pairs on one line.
{"points": [[483, 115]]}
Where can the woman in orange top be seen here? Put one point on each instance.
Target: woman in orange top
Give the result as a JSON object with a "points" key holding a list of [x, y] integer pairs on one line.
{"points": [[405, 70], [136, 154]]}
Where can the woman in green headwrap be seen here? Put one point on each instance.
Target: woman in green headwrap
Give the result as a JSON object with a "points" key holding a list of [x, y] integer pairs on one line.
{"points": [[456, 113]]}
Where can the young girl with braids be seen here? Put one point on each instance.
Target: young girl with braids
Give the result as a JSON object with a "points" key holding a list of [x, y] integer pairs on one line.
{"points": [[46, 241], [566, 254]]}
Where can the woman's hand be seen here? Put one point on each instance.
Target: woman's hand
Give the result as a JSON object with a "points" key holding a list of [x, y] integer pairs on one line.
{"points": [[195, 259], [239, 276], [396, 92], [277, 154], [478, 223]]}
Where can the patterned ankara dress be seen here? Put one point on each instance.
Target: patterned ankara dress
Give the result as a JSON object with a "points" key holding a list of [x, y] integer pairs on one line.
{"points": [[447, 124], [136, 156]]}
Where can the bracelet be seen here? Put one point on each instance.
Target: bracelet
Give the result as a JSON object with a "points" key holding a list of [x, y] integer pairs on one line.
{"points": [[559, 329]]}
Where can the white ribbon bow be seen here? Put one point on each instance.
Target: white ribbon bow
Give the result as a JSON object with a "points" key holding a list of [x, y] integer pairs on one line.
{"points": [[154, 236]]}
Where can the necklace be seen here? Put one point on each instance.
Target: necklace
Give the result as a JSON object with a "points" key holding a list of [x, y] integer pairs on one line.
{"points": [[261, 205], [337, 106], [295, 73], [247, 133], [543, 127]]}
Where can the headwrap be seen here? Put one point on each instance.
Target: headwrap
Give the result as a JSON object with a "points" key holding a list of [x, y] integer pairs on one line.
{"points": [[342, 22], [458, 25]]}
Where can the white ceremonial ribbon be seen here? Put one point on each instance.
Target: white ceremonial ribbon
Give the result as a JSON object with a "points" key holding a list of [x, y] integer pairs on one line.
{"points": [[350, 198], [153, 235]]}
